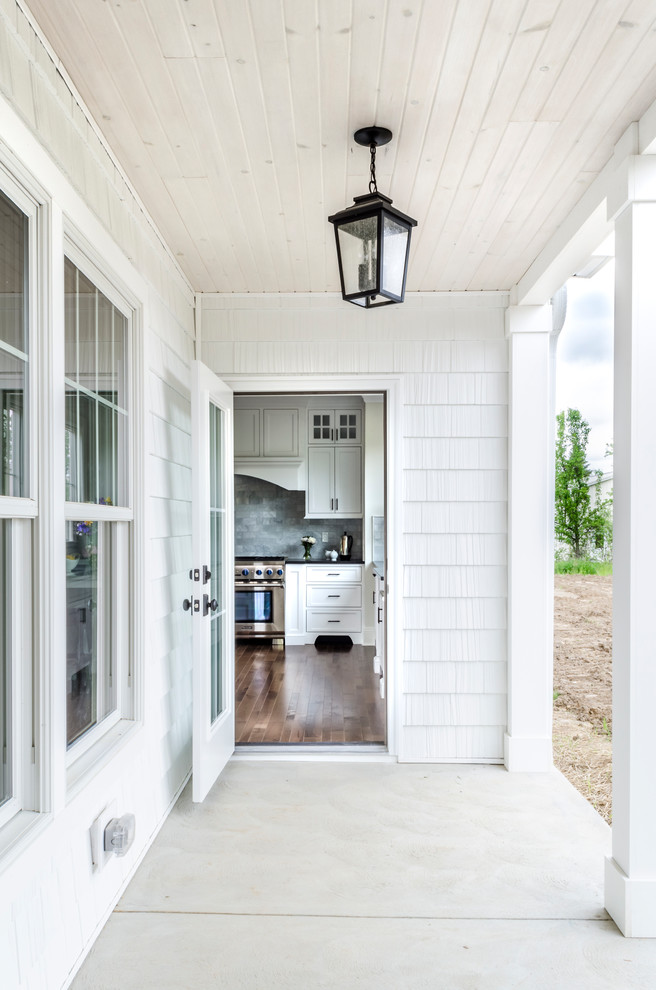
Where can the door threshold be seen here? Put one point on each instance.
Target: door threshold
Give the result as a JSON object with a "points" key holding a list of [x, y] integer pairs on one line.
{"points": [[328, 752]]}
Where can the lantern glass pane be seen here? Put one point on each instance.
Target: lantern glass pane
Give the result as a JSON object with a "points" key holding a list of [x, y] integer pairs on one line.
{"points": [[358, 245], [395, 246]]}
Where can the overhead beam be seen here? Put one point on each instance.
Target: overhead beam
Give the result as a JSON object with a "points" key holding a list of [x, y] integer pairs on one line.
{"points": [[587, 225]]}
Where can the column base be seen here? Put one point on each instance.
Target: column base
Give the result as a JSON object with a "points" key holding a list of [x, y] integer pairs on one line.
{"points": [[527, 754], [630, 903]]}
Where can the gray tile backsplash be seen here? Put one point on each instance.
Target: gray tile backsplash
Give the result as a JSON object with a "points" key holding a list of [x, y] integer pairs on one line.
{"points": [[270, 520]]}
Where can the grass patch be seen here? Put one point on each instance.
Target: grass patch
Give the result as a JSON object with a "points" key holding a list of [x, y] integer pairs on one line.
{"points": [[582, 566]]}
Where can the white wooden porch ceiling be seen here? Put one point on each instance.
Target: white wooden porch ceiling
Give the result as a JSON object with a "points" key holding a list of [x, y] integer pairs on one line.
{"points": [[234, 120]]}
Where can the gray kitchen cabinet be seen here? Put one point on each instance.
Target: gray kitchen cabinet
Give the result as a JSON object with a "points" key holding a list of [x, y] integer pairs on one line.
{"points": [[266, 432], [334, 485], [247, 432], [280, 432], [326, 426]]}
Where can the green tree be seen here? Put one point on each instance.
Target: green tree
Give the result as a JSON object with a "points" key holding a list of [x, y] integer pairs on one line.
{"points": [[582, 522]]}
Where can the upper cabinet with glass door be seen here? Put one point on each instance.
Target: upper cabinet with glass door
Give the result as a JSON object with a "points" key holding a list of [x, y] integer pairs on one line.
{"points": [[327, 426]]}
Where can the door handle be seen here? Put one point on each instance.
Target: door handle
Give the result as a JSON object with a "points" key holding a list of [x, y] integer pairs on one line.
{"points": [[191, 605], [336, 504], [207, 574], [209, 605], [379, 614]]}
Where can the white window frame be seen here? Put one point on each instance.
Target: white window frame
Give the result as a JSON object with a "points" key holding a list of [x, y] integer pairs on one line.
{"points": [[93, 745], [25, 673]]}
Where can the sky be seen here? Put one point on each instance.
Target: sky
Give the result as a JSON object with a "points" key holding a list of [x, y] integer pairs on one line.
{"points": [[584, 360]]}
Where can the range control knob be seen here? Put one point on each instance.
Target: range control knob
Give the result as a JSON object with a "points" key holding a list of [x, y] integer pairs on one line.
{"points": [[279, 572], [245, 572], [269, 572], [259, 572]]}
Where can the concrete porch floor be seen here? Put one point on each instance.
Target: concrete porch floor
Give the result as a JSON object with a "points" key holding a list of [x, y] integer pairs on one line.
{"points": [[372, 875]]}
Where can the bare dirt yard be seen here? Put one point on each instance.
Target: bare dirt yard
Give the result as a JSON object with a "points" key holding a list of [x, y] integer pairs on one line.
{"points": [[582, 684]]}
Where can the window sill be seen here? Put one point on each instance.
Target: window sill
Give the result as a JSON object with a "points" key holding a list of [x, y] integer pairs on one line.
{"points": [[99, 755]]}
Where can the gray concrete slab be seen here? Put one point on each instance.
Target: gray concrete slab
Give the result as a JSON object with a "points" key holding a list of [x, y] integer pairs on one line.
{"points": [[372, 875], [213, 952]]}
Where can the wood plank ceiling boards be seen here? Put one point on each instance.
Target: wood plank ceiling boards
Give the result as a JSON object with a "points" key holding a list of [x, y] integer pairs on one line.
{"points": [[234, 120]]}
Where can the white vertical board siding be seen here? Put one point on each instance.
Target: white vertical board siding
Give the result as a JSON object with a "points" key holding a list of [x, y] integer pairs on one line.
{"points": [[51, 903], [450, 353]]}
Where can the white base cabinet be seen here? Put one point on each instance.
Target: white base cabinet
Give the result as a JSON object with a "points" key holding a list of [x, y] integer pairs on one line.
{"points": [[323, 600]]}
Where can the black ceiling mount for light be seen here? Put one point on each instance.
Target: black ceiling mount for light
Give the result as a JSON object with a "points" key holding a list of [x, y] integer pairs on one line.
{"points": [[373, 239]]}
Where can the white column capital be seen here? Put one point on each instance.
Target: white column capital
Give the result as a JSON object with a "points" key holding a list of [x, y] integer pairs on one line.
{"points": [[528, 319], [634, 182]]}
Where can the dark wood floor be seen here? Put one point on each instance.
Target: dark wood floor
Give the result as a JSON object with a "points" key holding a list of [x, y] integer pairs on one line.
{"points": [[301, 694]]}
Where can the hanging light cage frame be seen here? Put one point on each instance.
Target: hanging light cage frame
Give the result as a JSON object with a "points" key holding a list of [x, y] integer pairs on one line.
{"points": [[373, 205]]}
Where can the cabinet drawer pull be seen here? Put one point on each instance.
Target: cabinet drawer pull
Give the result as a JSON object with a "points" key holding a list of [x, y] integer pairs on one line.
{"points": [[334, 620], [380, 611], [334, 596]]}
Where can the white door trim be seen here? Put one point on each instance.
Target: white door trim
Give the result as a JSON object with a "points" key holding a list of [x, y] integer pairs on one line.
{"points": [[390, 385]]}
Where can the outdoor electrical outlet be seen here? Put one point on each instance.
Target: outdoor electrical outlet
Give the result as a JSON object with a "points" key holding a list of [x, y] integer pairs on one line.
{"points": [[96, 834], [324, 537]]}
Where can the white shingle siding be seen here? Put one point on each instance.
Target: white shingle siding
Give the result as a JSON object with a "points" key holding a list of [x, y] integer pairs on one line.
{"points": [[452, 358], [50, 902]]}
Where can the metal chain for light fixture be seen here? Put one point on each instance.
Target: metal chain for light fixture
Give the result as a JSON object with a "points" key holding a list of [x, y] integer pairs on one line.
{"points": [[373, 188]]}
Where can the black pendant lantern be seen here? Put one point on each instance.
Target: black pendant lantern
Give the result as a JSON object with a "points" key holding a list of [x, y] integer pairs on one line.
{"points": [[373, 239]]}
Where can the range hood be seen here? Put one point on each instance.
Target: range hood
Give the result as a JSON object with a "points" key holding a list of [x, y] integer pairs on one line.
{"points": [[286, 473]]}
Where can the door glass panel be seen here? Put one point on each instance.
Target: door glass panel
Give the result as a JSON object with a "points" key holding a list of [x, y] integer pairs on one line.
{"points": [[90, 692], [5, 660], [217, 543]]}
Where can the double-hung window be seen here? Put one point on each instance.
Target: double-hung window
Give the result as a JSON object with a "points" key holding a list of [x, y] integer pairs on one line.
{"points": [[97, 453], [18, 506]]}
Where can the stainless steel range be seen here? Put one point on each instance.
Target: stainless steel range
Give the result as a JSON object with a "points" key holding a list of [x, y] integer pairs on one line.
{"points": [[260, 597]]}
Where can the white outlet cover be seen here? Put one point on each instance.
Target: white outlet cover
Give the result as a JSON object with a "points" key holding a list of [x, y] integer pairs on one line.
{"points": [[96, 833]]}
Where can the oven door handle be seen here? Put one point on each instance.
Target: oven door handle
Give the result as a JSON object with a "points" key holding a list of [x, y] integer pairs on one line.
{"points": [[248, 585]]}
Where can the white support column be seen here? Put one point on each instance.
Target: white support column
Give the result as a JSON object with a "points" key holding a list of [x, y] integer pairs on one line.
{"points": [[630, 889], [527, 743]]}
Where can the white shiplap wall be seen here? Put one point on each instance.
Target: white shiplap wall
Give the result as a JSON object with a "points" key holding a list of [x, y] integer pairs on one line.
{"points": [[51, 904], [450, 353]]}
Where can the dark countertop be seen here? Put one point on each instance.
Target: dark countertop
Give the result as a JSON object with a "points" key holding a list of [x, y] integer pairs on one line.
{"points": [[319, 560]]}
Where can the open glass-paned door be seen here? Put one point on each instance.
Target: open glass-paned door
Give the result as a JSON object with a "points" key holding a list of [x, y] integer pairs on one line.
{"points": [[212, 602]]}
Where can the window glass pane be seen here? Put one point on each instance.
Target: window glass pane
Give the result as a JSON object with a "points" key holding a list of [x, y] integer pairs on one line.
{"points": [[87, 449], [5, 661], [70, 319], [13, 334], [71, 446], [96, 342], [87, 318], [90, 691], [13, 275], [14, 433], [107, 418]]}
